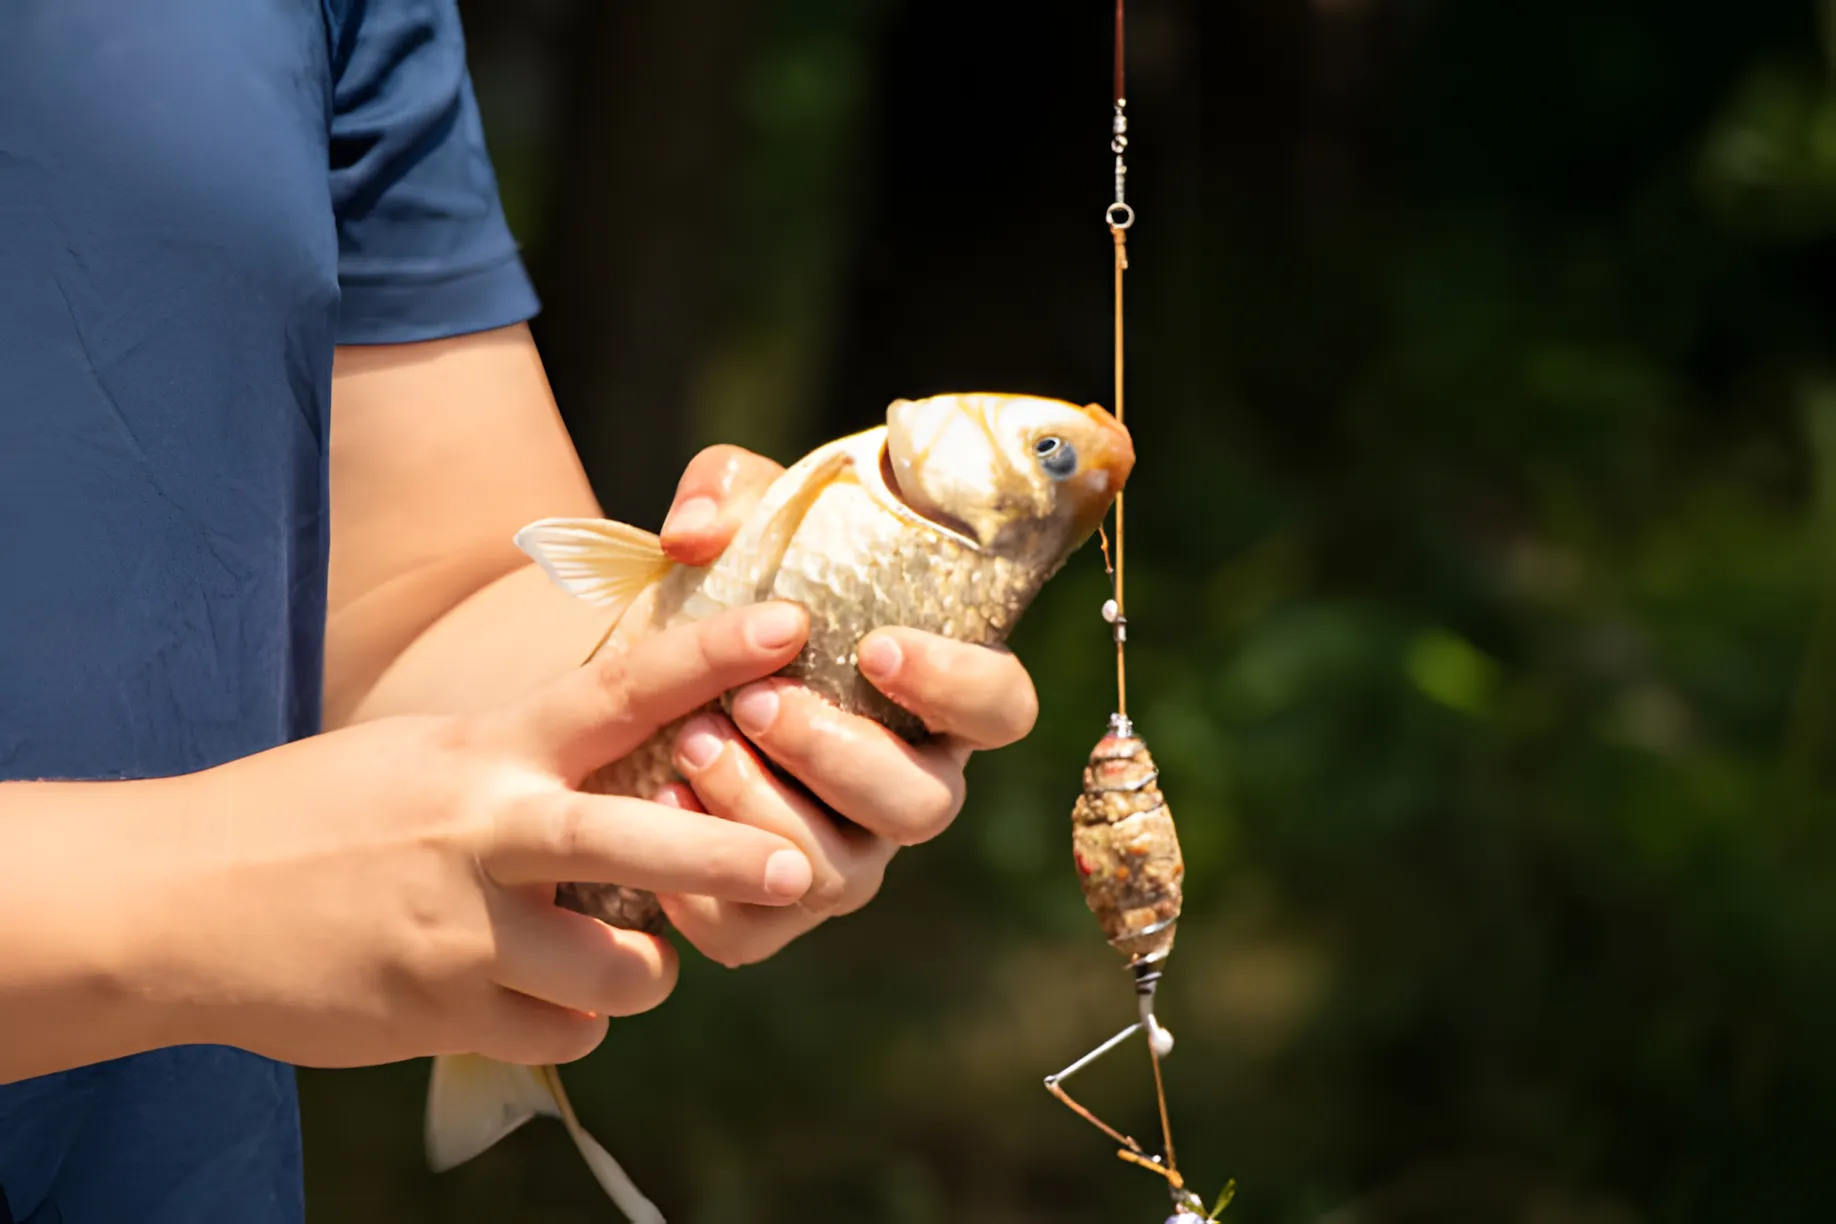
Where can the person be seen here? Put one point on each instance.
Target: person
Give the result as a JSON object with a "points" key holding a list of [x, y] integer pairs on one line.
{"points": [[290, 734]]}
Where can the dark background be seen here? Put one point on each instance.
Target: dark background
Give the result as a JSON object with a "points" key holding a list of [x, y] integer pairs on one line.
{"points": [[1482, 547]]}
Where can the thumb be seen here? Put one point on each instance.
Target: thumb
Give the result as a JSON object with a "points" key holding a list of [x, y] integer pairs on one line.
{"points": [[718, 490], [624, 695]]}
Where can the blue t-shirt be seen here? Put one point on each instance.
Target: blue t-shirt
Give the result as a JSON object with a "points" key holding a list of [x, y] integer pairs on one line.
{"points": [[198, 200]]}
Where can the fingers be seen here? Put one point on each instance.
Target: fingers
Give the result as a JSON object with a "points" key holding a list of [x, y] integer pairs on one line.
{"points": [[857, 767], [614, 703], [718, 490], [731, 934], [607, 839], [734, 934], [731, 782], [533, 1033], [976, 694], [577, 962]]}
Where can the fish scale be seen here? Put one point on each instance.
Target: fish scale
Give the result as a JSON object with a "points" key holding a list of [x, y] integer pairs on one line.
{"points": [[855, 568]]}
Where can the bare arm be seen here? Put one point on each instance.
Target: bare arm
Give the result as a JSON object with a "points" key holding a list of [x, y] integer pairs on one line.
{"points": [[378, 892], [440, 452], [77, 865]]}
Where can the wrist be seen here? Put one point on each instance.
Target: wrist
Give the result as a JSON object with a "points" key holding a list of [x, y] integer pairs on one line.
{"points": [[167, 954], [82, 927]]}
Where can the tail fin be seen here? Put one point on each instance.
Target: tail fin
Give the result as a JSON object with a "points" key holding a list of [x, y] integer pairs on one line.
{"points": [[473, 1102]]}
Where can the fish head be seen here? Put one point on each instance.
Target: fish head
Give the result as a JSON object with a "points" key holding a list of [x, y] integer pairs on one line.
{"points": [[1010, 472]]}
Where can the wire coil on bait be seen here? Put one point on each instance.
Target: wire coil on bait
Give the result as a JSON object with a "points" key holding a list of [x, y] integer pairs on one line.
{"points": [[1126, 848]]}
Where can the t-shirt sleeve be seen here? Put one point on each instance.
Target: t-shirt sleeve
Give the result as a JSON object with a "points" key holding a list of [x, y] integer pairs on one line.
{"points": [[424, 251]]}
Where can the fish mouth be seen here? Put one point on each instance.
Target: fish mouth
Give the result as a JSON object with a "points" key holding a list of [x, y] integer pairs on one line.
{"points": [[1111, 460], [1116, 449]]}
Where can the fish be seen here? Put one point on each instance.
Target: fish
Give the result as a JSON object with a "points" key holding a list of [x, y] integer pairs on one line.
{"points": [[948, 518]]}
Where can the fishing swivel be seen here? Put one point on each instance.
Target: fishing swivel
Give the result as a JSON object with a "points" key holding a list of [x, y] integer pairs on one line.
{"points": [[1120, 215]]}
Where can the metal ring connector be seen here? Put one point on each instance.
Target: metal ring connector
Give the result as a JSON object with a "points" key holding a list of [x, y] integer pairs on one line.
{"points": [[1124, 212]]}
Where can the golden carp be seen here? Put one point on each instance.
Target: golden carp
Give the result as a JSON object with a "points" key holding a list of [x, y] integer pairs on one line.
{"points": [[949, 518]]}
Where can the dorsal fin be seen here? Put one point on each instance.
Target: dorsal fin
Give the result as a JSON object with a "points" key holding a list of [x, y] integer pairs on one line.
{"points": [[602, 562]]}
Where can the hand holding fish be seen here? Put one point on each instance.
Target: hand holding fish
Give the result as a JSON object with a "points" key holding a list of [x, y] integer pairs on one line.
{"points": [[386, 891], [890, 793], [915, 547], [975, 697]]}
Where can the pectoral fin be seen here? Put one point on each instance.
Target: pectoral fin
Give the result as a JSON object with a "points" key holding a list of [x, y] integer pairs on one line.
{"points": [[746, 570], [605, 563], [473, 1102]]}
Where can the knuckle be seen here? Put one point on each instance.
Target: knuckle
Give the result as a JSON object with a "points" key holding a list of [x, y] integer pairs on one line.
{"points": [[828, 892], [730, 782], [737, 936], [719, 782], [564, 826], [456, 954], [867, 876], [1021, 711], [636, 982], [437, 945], [930, 812], [567, 1037], [576, 1036], [509, 824], [524, 1030], [610, 671], [735, 949], [812, 736], [731, 644], [863, 886], [454, 737]]}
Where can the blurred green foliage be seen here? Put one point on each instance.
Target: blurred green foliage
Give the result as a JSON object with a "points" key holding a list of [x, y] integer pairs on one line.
{"points": [[1482, 551]]}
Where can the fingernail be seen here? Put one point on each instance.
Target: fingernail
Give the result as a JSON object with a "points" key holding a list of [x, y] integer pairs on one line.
{"points": [[697, 514], [677, 795], [776, 625], [787, 874], [698, 746], [880, 657], [755, 708]]}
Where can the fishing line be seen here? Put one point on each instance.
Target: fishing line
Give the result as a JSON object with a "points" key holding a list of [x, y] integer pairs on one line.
{"points": [[1123, 837], [1119, 216]]}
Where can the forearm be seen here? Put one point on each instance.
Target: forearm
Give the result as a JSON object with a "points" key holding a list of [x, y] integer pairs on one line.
{"points": [[512, 635], [440, 453], [81, 911]]}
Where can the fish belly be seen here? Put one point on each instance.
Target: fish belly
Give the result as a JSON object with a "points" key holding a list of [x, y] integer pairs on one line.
{"points": [[856, 567]]}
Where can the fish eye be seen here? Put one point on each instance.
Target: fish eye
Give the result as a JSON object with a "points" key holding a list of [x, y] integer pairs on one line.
{"points": [[1057, 456]]}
